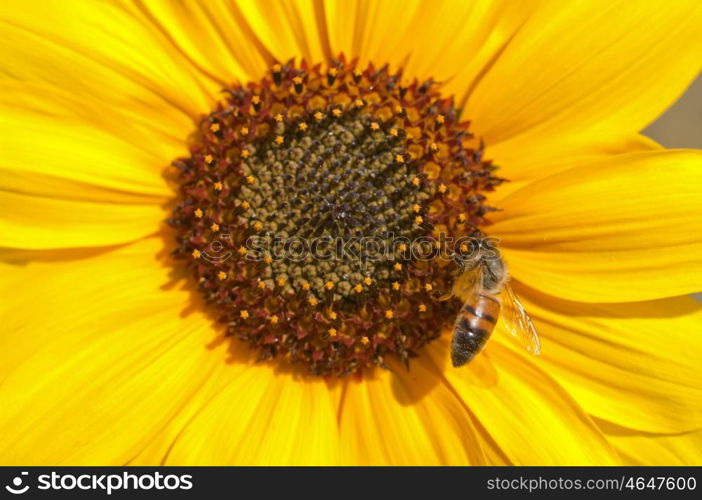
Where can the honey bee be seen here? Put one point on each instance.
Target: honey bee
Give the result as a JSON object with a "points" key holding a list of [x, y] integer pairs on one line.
{"points": [[483, 286]]}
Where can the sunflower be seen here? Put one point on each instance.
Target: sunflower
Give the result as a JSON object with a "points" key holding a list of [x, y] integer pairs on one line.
{"points": [[136, 135]]}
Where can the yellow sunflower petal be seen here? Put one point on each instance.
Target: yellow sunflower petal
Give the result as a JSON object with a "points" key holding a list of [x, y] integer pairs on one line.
{"points": [[101, 51], [635, 365], [353, 27], [620, 230], [591, 68], [453, 42], [528, 414], [96, 357], [59, 158], [635, 448], [259, 418], [288, 29], [521, 167], [216, 38], [407, 418], [65, 184], [33, 222]]}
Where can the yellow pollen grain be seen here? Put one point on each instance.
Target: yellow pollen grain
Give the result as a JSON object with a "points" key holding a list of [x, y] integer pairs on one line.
{"points": [[358, 72], [313, 301], [418, 220], [297, 80], [276, 68], [222, 275], [196, 254], [278, 117], [218, 186], [245, 205], [364, 340], [402, 247], [428, 287], [358, 103], [332, 315], [462, 217], [368, 281], [273, 319], [302, 126], [434, 146], [336, 112], [250, 179], [255, 99], [214, 227], [358, 288], [214, 127], [397, 266], [245, 153], [416, 208], [442, 188], [198, 213], [242, 251], [279, 139], [333, 72], [261, 285], [280, 281], [319, 116], [305, 286], [244, 314], [267, 259], [416, 181], [329, 285], [209, 159], [244, 131], [374, 126], [399, 109], [399, 158], [395, 286], [258, 226], [464, 248], [332, 332], [393, 132], [389, 314], [440, 119], [422, 308]]}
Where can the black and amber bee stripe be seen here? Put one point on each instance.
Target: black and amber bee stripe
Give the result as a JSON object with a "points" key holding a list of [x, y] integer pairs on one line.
{"points": [[474, 325]]}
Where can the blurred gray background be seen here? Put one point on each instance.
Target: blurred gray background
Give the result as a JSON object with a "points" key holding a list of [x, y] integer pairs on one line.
{"points": [[681, 125]]}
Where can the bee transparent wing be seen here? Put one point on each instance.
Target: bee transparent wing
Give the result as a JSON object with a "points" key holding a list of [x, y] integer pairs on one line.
{"points": [[518, 322]]}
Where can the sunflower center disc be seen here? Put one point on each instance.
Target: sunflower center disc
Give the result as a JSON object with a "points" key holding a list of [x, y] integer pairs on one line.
{"points": [[330, 198], [319, 211]]}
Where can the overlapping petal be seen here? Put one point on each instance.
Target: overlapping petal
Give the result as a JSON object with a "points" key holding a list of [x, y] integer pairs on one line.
{"points": [[647, 449], [588, 69], [96, 356], [407, 418], [634, 365], [261, 419], [530, 416], [623, 229]]}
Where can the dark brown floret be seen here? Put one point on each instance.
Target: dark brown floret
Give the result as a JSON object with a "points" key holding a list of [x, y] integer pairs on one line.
{"points": [[340, 156]]}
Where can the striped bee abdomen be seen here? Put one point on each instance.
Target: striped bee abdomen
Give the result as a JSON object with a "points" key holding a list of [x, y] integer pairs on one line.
{"points": [[474, 324]]}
